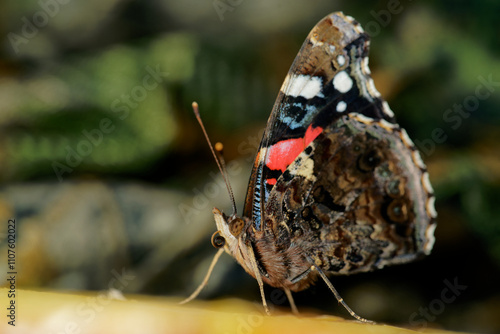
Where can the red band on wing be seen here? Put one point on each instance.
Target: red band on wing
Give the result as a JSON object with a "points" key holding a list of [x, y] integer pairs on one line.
{"points": [[311, 134], [271, 181], [284, 152]]}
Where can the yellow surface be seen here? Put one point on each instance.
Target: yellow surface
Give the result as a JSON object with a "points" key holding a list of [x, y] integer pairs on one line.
{"points": [[55, 313]]}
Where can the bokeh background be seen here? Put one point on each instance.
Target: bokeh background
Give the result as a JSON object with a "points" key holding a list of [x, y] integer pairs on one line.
{"points": [[105, 169]]}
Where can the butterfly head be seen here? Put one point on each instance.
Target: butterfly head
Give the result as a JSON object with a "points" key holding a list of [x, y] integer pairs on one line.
{"points": [[233, 234], [228, 232]]}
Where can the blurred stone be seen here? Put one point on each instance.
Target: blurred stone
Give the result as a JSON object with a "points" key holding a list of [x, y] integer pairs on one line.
{"points": [[72, 235]]}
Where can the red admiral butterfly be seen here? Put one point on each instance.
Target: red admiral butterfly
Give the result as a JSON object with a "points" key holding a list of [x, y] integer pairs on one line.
{"points": [[337, 186]]}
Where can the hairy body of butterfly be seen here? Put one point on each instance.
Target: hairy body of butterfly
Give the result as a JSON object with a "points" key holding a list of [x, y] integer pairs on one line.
{"points": [[337, 186]]}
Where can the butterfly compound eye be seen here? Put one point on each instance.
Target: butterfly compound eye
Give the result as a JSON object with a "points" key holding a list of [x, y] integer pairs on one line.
{"points": [[236, 226], [218, 240]]}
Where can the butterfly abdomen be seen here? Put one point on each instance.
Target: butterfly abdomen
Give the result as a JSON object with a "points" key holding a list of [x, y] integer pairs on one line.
{"points": [[282, 267]]}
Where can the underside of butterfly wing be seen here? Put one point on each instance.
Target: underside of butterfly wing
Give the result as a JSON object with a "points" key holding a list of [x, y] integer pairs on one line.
{"points": [[358, 198]]}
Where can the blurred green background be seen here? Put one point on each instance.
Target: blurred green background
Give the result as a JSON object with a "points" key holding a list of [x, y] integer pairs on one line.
{"points": [[105, 169]]}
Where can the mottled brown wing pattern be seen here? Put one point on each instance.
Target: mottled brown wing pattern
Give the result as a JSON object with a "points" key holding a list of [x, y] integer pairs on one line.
{"points": [[358, 198]]}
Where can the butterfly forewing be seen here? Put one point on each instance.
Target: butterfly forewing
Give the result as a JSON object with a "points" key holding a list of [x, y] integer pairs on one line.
{"points": [[329, 78]]}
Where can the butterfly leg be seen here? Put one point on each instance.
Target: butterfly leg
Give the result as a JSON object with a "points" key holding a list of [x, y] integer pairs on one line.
{"points": [[256, 271], [291, 301], [337, 295], [205, 280]]}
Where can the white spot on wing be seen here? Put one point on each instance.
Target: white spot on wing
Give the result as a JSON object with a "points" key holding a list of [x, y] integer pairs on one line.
{"points": [[386, 125], [427, 183], [370, 85], [342, 82], [341, 60], [357, 26], [286, 82], [387, 110], [417, 159], [341, 106], [430, 207], [406, 139], [363, 119], [302, 85], [364, 66], [429, 235]]}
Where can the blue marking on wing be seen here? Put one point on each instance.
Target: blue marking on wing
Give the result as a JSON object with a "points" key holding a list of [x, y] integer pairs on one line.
{"points": [[256, 199], [290, 117]]}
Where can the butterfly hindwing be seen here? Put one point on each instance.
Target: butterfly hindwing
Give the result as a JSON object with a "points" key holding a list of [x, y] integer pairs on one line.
{"points": [[357, 198]]}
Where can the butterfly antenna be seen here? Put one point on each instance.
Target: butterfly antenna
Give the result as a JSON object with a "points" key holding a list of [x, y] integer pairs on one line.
{"points": [[219, 159], [219, 149]]}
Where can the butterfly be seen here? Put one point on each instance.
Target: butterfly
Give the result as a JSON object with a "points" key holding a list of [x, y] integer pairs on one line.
{"points": [[337, 186]]}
